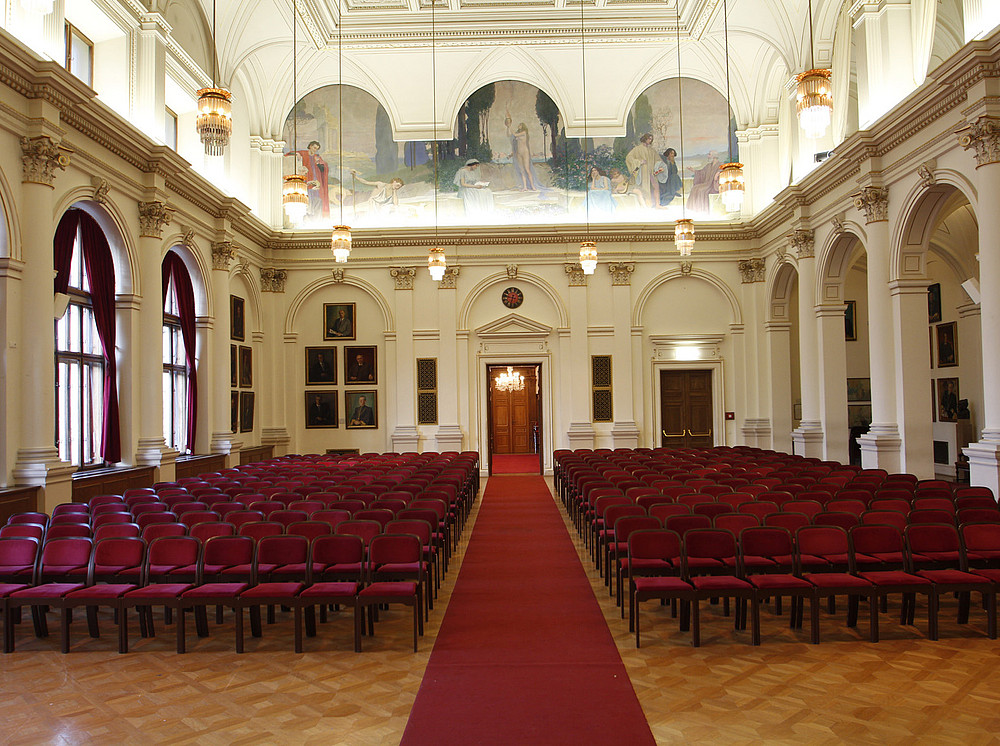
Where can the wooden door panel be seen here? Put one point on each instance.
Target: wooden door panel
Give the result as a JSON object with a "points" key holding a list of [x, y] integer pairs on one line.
{"points": [[686, 409]]}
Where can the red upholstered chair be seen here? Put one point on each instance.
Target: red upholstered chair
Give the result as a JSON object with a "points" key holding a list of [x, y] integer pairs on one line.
{"points": [[153, 531], [768, 563], [735, 499], [259, 529], [193, 517], [205, 531], [653, 573], [18, 555], [735, 522], [64, 560], [891, 503], [309, 529], [759, 508], [684, 523], [70, 508], [391, 558], [99, 500], [845, 521], [709, 561], [931, 516], [606, 535], [846, 505], [617, 558], [240, 517], [339, 557], [712, 509], [117, 530], [790, 521], [32, 530]]}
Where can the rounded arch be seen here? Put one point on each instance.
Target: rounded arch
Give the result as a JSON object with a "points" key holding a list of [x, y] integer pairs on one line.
{"points": [[834, 261], [522, 277], [111, 220], [778, 290], [291, 318], [677, 273], [920, 215], [10, 227], [242, 270], [197, 271]]}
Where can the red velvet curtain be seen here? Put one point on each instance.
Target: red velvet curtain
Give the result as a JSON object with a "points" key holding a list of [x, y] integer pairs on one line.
{"points": [[173, 268], [63, 248]]}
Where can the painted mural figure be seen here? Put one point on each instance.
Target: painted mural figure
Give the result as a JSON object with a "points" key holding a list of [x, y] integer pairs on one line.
{"points": [[520, 154], [705, 182], [670, 181], [477, 197], [599, 197], [385, 195], [317, 180], [641, 162], [622, 185]]}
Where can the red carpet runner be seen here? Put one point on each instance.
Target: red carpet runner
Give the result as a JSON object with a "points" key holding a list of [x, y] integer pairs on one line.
{"points": [[515, 463], [524, 655]]}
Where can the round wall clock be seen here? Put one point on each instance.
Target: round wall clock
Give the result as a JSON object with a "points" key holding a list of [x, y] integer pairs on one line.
{"points": [[512, 297]]}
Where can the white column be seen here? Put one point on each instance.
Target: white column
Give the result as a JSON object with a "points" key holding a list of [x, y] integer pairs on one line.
{"points": [[624, 432], [639, 385], [405, 436], [909, 303], [224, 440], [808, 436], [149, 103], [273, 405], [984, 457], [779, 344], [884, 50], [880, 447], [751, 412], [204, 326], [576, 365], [833, 381], [449, 433], [11, 280]]}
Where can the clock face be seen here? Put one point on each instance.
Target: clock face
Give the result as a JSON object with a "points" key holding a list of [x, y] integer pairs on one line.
{"points": [[512, 297]]}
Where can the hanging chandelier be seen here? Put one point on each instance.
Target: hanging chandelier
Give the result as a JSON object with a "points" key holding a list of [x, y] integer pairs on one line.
{"points": [[436, 260], [294, 193], [731, 181], [588, 249], [509, 381], [588, 257], [214, 122], [684, 227], [436, 263], [814, 94], [340, 239]]}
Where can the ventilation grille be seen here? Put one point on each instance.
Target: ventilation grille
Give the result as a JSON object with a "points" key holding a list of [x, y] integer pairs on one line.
{"points": [[427, 404], [600, 374]]}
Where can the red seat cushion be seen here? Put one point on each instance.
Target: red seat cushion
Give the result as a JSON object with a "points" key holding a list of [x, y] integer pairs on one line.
{"points": [[211, 590], [661, 584], [778, 582], [701, 563], [330, 590], [989, 573], [837, 580], [272, 590], [159, 591], [952, 577], [396, 589], [49, 590], [7, 588], [101, 592], [894, 577], [719, 583]]}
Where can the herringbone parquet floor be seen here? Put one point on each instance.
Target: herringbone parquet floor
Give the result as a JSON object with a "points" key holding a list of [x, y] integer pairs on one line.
{"points": [[904, 689]]}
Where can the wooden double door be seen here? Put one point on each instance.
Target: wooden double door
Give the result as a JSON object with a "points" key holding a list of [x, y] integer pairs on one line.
{"points": [[514, 415], [686, 409]]}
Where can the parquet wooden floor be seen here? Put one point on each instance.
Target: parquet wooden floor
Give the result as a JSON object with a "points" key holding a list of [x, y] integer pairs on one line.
{"points": [[904, 689]]}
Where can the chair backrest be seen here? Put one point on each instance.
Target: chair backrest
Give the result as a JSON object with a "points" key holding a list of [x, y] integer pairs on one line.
{"points": [[735, 499], [708, 543], [239, 517], [64, 552], [772, 542], [337, 549], [117, 530], [880, 539], [885, 518], [735, 522], [70, 508], [282, 550], [603, 502], [978, 515], [347, 504], [694, 498], [421, 529], [975, 501], [260, 529], [936, 539], [779, 495], [974, 491], [934, 503], [365, 530], [287, 517], [207, 530], [32, 530], [153, 531], [123, 551], [613, 512], [63, 530], [139, 509], [931, 516], [194, 517], [439, 506], [629, 523], [190, 505], [266, 506], [228, 551], [809, 507], [842, 505], [309, 529], [894, 493], [17, 552], [836, 518], [759, 508], [890, 503], [331, 516], [394, 548], [655, 543], [308, 506], [380, 515], [787, 520], [30, 517], [171, 551], [684, 523], [98, 500], [822, 541]]}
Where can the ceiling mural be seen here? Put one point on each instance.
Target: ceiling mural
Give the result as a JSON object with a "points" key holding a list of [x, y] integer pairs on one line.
{"points": [[510, 162]]}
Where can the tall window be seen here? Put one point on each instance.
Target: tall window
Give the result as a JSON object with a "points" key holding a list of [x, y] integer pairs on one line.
{"points": [[175, 375], [79, 55], [170, 128], [80, 372]]}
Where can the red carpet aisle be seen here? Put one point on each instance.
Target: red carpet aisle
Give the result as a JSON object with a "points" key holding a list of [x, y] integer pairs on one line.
{"points": [[524, 655], [515, 463]]}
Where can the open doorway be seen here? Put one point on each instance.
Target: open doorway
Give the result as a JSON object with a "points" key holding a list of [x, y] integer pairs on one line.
{"points": [[514, 418]]}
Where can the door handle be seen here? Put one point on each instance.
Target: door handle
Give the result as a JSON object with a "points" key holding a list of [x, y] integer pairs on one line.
{"points": [[672, 435], [701, 435]]}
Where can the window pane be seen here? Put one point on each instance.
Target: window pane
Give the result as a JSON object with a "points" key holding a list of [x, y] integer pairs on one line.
{"points": [[74, 328], [79, 61]]}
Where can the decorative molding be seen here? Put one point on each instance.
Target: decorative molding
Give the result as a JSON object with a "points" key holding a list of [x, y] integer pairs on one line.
{"points": [[188, 239], [403, 277], [621, 272], [512, 271], [984, 136], [575, 275], [687, 268], [223, 253], [450, 279], [338, 275], [752, 270], [152, 217], [273, 280], [926, 173], [802, 242], [838, 224], [101, 189], [874, 203], [40, 157]]}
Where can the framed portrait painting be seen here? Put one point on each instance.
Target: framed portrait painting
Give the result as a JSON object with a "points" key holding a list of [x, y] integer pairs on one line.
{"points": [[246, 411], [234, 367], [859, 415], [237, 318], [934, 303], [859, 389], [321, 409], [851, 321], [361, 409], [339, 321], [360, 365], [947, 399], [321, 366], [234, 411], [246, 367], [947, 345]]}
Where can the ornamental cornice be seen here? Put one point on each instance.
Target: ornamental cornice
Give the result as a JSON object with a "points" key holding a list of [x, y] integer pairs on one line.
{"points": [[874, 203], [273, 280], [403, 277], [152, 217], [802, 242], [621, 272], [223, 253], [40, 157], [752, 270]]}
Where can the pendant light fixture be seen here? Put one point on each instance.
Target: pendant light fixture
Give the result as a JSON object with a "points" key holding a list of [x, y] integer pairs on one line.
{"points": [[436, 260], [588, 249], [731, 181], [215, 109], [814, 95], [294, 194], [509, 381], [684, 227], [340, 240]]}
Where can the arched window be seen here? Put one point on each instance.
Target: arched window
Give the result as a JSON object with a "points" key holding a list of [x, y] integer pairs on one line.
{"points": [[87, 430], [180, 390]]}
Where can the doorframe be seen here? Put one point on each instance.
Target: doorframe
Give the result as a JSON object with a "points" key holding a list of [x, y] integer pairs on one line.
{"points": [[544, 363], [718, 396]]}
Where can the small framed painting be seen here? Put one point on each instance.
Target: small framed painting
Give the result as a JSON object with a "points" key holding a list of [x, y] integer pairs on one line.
{"points": [[361, 409], [321, 366], [359, 365], [934, 303], [859, 389], [947, 398], [246, 367], [237, 318], [234, 411], [851, 321], [339, 321], [947, 345], [234, 367], [246, 411], [321, 409], [859, 415]]}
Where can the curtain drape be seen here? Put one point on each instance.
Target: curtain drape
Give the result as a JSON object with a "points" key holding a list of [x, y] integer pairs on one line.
{"points": [[174, 268]]}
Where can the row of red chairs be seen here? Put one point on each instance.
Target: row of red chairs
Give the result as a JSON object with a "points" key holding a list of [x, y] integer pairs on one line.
{"points": [[868, 562]]}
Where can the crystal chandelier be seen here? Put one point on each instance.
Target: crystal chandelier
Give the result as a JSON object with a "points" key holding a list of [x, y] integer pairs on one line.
{"points": [[215, 110], [509, 381], [814, 95], [436, 263], [340, 243], [731, 182], [684, 236], [588, 257]]}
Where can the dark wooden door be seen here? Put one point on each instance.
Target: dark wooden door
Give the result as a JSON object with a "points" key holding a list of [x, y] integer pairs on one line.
{"points": [[513, 413], [686, 409]]}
